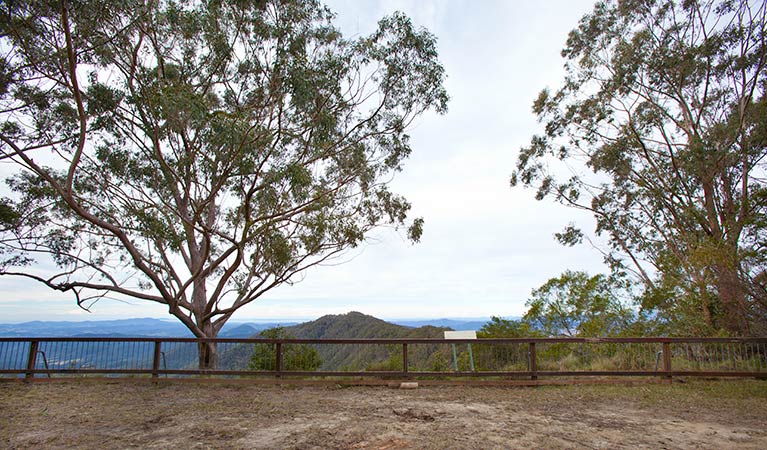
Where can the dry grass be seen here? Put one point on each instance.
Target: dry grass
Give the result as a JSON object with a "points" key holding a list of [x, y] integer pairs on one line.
{"points": [[120, 414]]}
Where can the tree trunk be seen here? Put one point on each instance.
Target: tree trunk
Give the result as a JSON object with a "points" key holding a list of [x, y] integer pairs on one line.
{"points": [[732, 294], [208, 351], [208, 355]]}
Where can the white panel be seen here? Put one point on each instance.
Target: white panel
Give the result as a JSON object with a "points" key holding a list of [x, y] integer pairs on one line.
{"points": [[460, 334]]}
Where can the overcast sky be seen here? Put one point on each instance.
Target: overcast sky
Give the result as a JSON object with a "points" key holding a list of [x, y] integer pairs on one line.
{"points": [[485, 245]]}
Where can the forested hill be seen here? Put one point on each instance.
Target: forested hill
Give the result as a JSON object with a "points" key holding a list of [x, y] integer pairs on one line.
{"points": [[355, 325]]}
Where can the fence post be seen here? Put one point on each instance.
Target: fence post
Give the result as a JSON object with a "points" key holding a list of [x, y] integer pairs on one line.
{"points": [[667, 360], [156, 359], [278, 359], [404, 359], [533, 363], [32, 360]]}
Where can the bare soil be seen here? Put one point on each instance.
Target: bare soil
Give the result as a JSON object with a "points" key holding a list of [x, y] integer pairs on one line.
{"points": [[120, 415]]}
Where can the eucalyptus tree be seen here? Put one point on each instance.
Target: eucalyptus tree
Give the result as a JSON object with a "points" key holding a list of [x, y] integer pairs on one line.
{"points": [[579, 304], [659, 131], [199, 154]]}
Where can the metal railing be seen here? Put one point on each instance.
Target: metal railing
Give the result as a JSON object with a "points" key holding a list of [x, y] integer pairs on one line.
{"points": [[385, 358]]}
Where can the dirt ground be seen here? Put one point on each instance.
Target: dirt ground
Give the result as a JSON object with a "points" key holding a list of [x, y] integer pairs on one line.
{"points": [[118, 415]]}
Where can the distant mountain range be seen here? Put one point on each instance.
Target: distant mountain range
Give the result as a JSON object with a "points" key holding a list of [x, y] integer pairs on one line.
{"points": [[170, 328], [454, 324], [125, 328]]}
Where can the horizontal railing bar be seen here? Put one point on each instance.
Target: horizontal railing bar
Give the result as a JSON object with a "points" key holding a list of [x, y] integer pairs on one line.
{"points": [[637, 340], [718, 373], [75, 371], [395, 374], [209, 372]]}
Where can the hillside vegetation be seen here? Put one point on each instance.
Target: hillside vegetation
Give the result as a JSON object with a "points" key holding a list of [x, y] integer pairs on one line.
{"points": [[353, 325]]}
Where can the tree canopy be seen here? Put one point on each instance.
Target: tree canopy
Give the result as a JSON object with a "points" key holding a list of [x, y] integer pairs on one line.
{"points": [[499, 327], [578, 304], [199, 154], [659, 130]]}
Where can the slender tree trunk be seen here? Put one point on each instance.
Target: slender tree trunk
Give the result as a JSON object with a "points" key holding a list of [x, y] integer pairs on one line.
{"points": [[707, 311], [207, 351], [701, 290]]}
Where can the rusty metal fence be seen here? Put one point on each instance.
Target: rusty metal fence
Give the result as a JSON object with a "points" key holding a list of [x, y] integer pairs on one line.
{"points": [[384, 358]]}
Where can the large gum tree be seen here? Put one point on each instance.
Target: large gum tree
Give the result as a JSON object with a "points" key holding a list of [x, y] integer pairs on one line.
{"points": [[198, 154], [659, 131]]}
